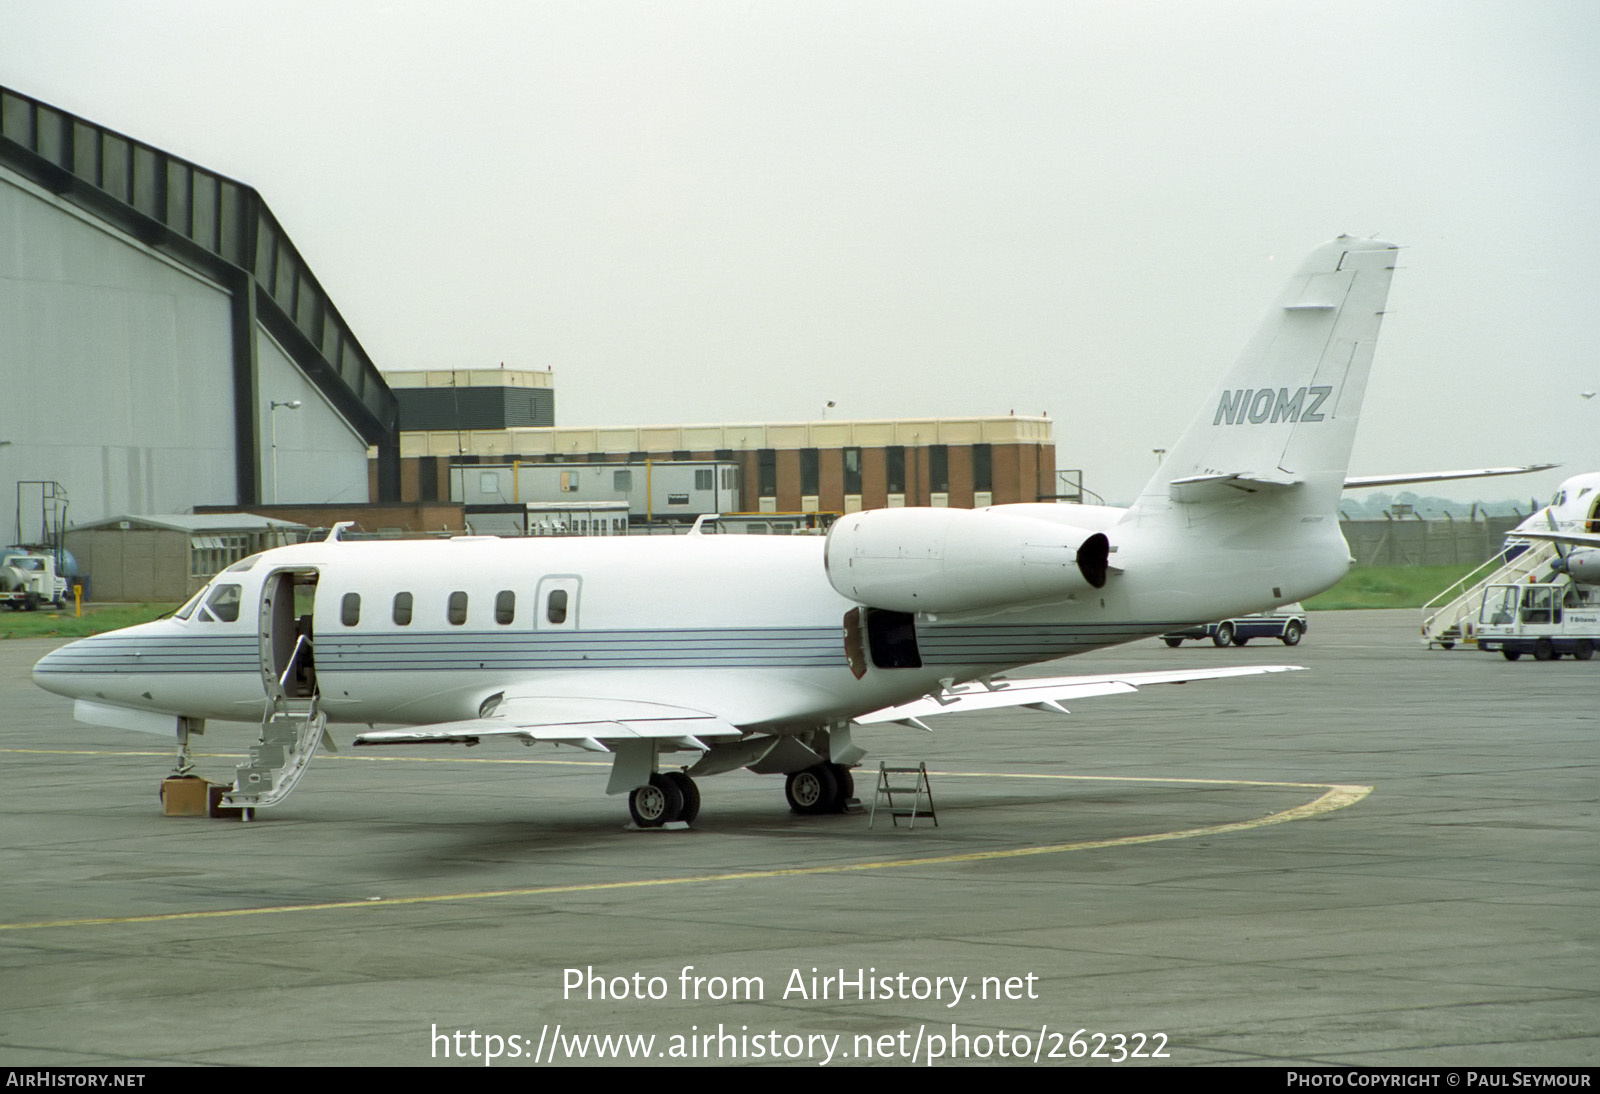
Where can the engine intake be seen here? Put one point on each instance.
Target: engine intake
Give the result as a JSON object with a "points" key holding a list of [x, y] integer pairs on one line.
{"points": [[947, 560]]}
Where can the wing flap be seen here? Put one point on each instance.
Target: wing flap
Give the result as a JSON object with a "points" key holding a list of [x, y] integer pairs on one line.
{"points": [[1049, 692], [589, 723]]}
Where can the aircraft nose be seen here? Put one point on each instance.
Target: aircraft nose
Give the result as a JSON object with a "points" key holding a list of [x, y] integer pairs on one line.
{"points": [[60, 670]]}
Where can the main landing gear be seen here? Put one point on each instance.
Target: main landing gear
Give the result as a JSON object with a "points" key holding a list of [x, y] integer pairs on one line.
{"points": [[668, 796], [824, 788]]}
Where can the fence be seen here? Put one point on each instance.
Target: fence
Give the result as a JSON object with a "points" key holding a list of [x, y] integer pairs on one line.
{"points": [[1412, 541]]}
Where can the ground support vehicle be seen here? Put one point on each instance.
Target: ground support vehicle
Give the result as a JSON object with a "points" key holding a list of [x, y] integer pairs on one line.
{"points": [[28, 579], [1548, 620], [1287, 624]]}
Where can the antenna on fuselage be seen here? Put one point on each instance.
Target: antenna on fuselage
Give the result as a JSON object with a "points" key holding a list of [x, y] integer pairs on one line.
{"points": [[333, 533]]}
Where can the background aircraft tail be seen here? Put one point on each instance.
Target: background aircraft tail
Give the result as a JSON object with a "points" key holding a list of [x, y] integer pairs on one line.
{"points": [[1279, 428]]}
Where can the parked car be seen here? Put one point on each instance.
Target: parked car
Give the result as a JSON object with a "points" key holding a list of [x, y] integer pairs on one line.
{"points": [[1286, 624]]}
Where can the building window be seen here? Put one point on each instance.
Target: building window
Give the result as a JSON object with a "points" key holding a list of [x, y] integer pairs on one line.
{"points": [[982, 469], [569, 482], [402, 609], [767, 468], [621, 482], [350, 609], [809, 473], [457, 609], [852, 471], [505, 607], [895, 472], [939, 468], [704, 479]]}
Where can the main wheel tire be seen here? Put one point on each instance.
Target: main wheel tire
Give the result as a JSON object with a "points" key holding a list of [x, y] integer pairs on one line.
{"points": [[1291, 633], [691, 796], [813, 791], [1510, 655], [1447, 645], [844, 787], [656, 802], [1544, 650], [1173, 642], [1224, 635], [1585, 650]]}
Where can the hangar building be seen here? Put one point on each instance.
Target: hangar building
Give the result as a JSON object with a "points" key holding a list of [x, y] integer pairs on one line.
{"points": [[158, 329]]}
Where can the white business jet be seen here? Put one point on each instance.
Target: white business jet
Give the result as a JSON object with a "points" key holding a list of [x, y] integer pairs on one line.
{"points": [[763, 652]]}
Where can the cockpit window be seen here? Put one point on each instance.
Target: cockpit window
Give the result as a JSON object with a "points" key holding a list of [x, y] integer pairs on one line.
{"points": [[188, 609], [223, 604], [243, 564]]}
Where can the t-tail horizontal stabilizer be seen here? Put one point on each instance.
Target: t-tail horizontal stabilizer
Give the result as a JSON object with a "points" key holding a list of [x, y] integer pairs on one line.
{"points": [[1285, 414]]}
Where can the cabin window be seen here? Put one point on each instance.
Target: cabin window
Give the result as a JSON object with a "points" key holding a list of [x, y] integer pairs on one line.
{"points": [[505, 607], [557, 610], [350, 609], [457, 611], [402, 609]]}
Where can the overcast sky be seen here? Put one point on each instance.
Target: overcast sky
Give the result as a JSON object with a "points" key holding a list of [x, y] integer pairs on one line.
{"points": [[707, 211]]}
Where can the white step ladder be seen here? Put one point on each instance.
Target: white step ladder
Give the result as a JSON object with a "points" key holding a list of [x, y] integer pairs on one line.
{"points": [[920, 790], [1447, 619]]}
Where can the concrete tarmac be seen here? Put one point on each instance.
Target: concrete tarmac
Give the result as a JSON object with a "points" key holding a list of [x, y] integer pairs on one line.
{"points": [[1390, 859]]}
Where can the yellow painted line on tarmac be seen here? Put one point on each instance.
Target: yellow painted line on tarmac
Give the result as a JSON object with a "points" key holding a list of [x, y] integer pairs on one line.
{"points": [[1334, 797]]}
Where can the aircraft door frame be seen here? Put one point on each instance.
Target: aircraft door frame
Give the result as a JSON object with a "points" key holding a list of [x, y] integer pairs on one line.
{"points": [[280, 631]]}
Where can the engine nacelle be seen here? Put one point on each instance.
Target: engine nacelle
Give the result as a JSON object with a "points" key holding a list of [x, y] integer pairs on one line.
{"points": [[1583, 565], [949, 560]]}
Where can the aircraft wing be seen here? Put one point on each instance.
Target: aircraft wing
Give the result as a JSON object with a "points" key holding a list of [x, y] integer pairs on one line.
{"points": [[1048, 693], [1356, 482], [1576, 539], [585, 722]]}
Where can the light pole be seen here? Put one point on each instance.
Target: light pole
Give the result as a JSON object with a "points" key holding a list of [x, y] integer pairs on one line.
{"points": [[292, 404]]}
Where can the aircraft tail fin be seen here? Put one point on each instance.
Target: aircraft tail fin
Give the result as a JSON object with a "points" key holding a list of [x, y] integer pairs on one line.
{"points": [[1282, 422]]}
